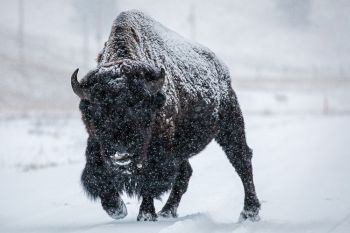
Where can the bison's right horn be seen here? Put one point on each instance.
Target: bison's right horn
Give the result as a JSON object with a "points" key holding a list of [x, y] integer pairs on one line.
{"points": [[76, 86]]}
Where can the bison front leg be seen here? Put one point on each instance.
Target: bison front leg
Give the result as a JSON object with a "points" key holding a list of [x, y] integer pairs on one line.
{"points": [[98, 183], [113, 205], [180, 187], [147, 211]]}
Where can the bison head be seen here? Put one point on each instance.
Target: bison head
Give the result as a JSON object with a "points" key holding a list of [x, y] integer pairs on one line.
{"points": [[118, 104]]}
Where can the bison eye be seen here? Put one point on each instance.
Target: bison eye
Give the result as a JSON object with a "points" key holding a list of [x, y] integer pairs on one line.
{"points": [[84, 105]]}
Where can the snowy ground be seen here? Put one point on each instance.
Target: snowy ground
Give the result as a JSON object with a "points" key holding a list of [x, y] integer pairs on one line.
{"points": [[301, 170]]}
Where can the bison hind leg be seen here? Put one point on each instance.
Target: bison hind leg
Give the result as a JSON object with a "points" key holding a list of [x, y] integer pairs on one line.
{"points": [[232, 139]]}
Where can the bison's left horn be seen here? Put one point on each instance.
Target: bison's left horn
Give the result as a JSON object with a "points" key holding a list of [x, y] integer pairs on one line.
{"points": [[76, 85], [78, 90]]}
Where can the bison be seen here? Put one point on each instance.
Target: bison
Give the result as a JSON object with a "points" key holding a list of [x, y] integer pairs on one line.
{"points": [[154, 101]]}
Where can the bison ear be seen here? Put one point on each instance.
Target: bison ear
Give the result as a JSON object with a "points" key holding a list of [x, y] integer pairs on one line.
{"points": [[159, 100], [155, 80], [157, 75]]}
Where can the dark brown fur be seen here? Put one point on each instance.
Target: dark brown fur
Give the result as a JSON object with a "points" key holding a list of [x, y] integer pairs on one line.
{"points": [[158, 100]]}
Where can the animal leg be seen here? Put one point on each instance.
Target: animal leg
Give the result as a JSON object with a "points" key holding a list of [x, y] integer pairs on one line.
{"points": [[232, 139], [147, 211], [114, 205], [180, 186]]}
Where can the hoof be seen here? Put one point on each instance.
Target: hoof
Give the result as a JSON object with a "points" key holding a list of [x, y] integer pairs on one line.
{"points": [[168, 213], [115, 208], [249, 215], [147, 217]]}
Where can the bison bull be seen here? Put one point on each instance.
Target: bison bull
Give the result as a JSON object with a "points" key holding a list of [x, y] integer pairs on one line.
{"points": [[154, 101]]}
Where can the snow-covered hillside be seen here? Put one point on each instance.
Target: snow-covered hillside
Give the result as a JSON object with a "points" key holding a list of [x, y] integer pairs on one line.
{"points": [[301, 170]]}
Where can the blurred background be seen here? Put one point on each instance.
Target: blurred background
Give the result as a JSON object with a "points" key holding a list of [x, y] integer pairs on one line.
{"points": [[294, 54], [290, 67]]}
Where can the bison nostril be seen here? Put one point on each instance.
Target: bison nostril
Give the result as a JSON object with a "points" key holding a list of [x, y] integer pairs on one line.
{"points": [[120, 156], [121, 159]]}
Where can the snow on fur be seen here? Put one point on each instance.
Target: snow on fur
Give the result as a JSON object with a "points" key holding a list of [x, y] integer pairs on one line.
{"points": [[160, 99]]}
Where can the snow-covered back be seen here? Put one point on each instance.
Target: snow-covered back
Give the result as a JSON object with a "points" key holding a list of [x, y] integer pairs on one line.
{"points": [[192, 70]]}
